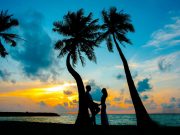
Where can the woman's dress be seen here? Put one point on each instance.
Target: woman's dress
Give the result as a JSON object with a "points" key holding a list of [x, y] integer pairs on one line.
{"points": [[104, 118]]}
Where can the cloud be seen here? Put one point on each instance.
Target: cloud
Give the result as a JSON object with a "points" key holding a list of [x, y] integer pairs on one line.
{"points": [[74, 101], [51, 74], [131, 65], [43, 77], [67, 92], [151, 105], [168, 36], [173, 99], [169, 76], [117, 99], [166, 63], [60, 109], [168, 106], [23, 104], [42, 104], [123, 76], [95, 90], [173, 106], [128, 101], [120, 76], [163, 65], [55, 71], [145, 97], [13, 81], [134, 75], [4, 75], [178, 105], [144, 85], [36, 52], [65, 104]]}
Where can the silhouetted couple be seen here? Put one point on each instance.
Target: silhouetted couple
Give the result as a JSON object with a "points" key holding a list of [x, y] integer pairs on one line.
{"points": [[94, 107]]}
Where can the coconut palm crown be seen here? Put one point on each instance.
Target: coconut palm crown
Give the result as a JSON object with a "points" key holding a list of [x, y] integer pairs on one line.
{"points": [[116, 24], [80, 33]]}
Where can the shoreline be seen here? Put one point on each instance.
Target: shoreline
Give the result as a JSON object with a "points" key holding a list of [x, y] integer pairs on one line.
{"points": [[17, 127]]}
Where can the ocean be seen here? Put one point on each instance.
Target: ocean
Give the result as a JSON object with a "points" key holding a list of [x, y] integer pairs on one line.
{"points": [[114, 119]]}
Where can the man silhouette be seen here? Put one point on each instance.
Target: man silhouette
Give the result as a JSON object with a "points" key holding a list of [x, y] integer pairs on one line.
{"points": [[92, 105]]}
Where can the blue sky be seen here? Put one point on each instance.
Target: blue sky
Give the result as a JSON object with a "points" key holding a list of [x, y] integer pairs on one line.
{"points": [[153, 57]]}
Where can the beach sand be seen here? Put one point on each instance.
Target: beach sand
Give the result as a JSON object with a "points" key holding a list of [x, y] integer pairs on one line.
{"points": [[35, 128]]}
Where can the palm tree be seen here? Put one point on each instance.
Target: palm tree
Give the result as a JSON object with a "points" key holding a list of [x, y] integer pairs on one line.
{"points": [[115, 27], [6, 22], [79, 33]]}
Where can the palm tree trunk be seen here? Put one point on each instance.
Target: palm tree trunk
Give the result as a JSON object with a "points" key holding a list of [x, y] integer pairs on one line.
{"points": [[143, 119], [83, 117]]}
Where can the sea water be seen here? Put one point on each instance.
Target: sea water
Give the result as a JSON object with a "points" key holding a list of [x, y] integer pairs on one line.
{"points": [[114, 119]]}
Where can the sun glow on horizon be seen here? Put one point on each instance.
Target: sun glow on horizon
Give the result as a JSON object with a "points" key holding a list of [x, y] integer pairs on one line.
{"points": [[59, 88], [52, 95]]}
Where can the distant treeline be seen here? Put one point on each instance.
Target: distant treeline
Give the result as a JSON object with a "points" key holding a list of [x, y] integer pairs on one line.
{"points": [[27, 114]]}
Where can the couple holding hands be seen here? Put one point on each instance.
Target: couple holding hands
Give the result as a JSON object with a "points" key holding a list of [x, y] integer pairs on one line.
{"points": [[94, 107]]}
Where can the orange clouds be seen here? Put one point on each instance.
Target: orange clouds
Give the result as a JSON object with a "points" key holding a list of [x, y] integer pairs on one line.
{"points": [[51, 95], [64, 98]]}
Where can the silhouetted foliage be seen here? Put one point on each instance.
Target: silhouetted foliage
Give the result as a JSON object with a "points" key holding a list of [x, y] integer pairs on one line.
{"points": [[79, 33], [116, 26], [7, 22]]}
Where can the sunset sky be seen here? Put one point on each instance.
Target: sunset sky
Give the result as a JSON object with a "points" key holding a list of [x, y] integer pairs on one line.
{"points": [[32, 78]]}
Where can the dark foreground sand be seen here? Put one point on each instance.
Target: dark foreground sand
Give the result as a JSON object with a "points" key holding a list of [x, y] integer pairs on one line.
{"points": [[34, 128]]}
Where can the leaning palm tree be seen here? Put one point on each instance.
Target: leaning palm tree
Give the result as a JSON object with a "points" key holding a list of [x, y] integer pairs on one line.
{"points": [[7, 22], [115, 27], [79, 33]]}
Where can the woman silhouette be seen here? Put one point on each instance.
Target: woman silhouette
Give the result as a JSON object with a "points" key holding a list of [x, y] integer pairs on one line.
{"points": [[104, 118]]}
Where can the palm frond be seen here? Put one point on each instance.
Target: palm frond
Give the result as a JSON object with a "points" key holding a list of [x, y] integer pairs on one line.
{"points": [[112, 10], [74, 58], [89, 52], [14, 22], [122, 38], [102, 36], [81, 58], [109, 43], [3, 51], [63, 52], [87, 19], [79, 14], [128, 27], [10, 41], [6, 21], [91, 56], [61, 28], [9, 38], [59, 45], [105, 17]]}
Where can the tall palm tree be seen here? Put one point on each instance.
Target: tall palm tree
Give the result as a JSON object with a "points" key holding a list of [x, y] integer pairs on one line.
{"points": [[115, 27], [79, 33], [6, 22]]}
